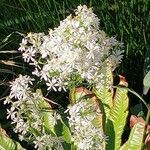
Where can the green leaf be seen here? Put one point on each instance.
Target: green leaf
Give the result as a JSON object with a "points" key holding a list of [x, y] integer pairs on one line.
{"points": [[146, 81], [147, 62], [116, 121], [66, 133], [46, 113], [124, 146], [62, 130], [77, 94], [136, 136], [7, 143], [137, 110], [145, 89], [59, 129], [105, 96]]}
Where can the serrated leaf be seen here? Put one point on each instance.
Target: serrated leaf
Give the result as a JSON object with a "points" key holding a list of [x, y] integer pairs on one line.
{"points": [[136, 137], [116, 121], [105, 96], [7, 143], [106, 70], [124, 146]]}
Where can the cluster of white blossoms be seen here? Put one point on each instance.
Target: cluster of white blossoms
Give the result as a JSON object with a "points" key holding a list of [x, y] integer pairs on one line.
{"points": [[27, 115], [76, 47], [85, 135], [48, 142]]}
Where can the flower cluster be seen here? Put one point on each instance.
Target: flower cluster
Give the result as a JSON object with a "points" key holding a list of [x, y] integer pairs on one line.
{"points": [[76, 50], [76, 47], [20, 86], [85, 135], [28, 115], [48, 142]]}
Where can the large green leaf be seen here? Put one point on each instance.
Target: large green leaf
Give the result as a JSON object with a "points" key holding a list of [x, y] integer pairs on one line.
{"points": [[62, 130], [136, 137], [135, 140], [116, 121], [124, 146], [105, 96], [46, 113], [66, 132], [58, 129], [7, 143]]}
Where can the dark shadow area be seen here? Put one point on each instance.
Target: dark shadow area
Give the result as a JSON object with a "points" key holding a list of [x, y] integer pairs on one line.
{"points": [[109, 129]]}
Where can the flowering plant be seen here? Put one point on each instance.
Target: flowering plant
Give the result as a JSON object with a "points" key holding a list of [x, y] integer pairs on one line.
{"points": [[77, 48], [74, 52]]}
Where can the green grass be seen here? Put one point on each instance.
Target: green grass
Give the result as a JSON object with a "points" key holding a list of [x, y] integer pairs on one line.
{"points": [[128, 20]]}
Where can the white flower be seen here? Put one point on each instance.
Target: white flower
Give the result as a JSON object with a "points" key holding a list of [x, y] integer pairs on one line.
{"points": [[39, 143], [47, 142], [45, 72], [81, 117], [116, 58], [7, 100], [29, 54], [23, 45], [51, 84], [20, 86], [11, 113], [21, 126], [36, 72]]}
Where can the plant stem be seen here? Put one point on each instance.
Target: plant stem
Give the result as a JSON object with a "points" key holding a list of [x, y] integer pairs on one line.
{"points": [[146, 125], [148, 116]]}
